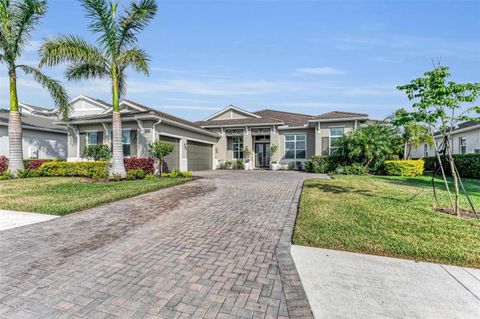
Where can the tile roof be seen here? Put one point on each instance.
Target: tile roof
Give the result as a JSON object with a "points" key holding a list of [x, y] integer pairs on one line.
{"points": [[40, 122], [288, 118], [339, 115], [239, 121]]}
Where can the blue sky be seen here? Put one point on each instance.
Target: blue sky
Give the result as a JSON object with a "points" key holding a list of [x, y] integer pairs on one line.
{"points": [[300, 56]]}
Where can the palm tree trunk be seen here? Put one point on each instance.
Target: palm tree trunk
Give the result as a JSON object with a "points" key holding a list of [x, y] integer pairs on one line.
{"points": [[405, 146], [118, 167], [15, 151]]}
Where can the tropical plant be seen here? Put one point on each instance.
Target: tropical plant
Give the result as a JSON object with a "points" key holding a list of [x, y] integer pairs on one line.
{"points": [[17, 21], [371, 145], [97, 152], [273, 150], [117, 49], [160, 149], [441, 105], [246, 154], [413, 134]]}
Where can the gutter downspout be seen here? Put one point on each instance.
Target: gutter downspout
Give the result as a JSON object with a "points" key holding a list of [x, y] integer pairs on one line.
{"points": [[77, 133], [153, 129]]}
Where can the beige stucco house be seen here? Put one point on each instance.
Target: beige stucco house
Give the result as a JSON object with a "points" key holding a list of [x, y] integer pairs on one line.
{"points": [[221, 137], [297, 136], [465, 139]]}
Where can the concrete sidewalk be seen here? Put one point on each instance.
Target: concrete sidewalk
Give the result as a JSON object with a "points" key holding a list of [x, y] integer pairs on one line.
{"points": [[11, 219], [348, 285]]}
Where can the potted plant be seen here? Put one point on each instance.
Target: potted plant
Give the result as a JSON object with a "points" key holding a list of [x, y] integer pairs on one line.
{"points": [[246, 155], [274, 166]]}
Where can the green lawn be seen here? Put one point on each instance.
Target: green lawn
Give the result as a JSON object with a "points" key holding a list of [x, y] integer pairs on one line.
{"points": [[377, 215], [63, 195]]}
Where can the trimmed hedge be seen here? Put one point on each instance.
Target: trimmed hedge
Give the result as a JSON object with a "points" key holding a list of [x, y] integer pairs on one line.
{"points": [[143, 163], [3, 164], [324, 164], [468, 165], [404, 167], [96, 170], [35, 163]]}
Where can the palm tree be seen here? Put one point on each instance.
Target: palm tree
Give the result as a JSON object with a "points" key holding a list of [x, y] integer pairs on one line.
{"points": [[17, 21], [117, 49]]}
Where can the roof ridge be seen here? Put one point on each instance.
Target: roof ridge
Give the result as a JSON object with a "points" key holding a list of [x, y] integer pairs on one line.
{"points": [[272, 110]]}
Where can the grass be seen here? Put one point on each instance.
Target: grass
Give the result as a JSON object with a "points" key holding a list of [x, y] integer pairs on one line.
{"points": [[64, 195], [380, 215]]}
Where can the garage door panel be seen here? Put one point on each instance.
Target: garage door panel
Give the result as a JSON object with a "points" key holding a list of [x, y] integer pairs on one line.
{"points": [[172, 160], [199, 156]]}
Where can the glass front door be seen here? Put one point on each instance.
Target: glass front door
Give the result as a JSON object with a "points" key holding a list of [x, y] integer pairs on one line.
{"points": [[262, 154]]}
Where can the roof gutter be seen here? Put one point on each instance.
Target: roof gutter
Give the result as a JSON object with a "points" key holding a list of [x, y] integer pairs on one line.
{"points": [[43, 129], [241, 125]]}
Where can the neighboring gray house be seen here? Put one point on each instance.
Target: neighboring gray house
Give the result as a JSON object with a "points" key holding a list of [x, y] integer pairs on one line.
{"points": [[91, 123], [42, 138], [222, 136], [465, 139]]}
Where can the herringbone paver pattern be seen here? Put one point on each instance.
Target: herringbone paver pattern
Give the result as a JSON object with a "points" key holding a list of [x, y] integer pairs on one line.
{"points": [[217, 247]]}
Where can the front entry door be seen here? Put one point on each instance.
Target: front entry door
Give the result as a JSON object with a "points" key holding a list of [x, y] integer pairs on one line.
{"points": [[262, 154]]}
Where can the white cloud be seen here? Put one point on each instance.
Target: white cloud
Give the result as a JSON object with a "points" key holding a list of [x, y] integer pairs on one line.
{"points": [[325, 70], [372, 90]]}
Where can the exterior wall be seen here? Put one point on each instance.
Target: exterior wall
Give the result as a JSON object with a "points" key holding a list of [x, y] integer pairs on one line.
{"points": [[322, 134], [37, 144], [230, 114], [82, 108], [310, 151], [473, 143]]}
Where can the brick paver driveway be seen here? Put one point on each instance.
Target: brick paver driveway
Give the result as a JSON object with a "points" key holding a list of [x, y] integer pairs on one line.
{"points": [[217, 247]]}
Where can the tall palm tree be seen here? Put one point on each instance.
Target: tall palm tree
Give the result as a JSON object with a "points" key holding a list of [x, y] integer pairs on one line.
{"points": [[117, 49], [17, 21]]}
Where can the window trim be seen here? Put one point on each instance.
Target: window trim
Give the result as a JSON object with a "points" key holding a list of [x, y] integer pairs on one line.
{"points": [[87, 139], [295, 146], [460, 145], [330, 137], [240, 150]]}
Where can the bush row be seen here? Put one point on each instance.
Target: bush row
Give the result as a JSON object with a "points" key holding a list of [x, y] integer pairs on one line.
{"points": [[404, 167], [144, 163], [235, 164], [467, 164], [3, 164], [95, 170]]}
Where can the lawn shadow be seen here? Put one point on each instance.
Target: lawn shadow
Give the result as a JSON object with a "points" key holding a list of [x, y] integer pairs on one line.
{"points": [[336, 189]]}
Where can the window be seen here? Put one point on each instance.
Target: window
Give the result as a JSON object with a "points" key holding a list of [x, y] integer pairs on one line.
{"points": [[92, 138], [425, 150], [295, 146], [237, 146], [462, 144], [335, 134], [126, 140]]}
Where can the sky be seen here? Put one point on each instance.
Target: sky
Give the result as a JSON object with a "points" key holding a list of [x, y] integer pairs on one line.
{"points": [[300, 56]]}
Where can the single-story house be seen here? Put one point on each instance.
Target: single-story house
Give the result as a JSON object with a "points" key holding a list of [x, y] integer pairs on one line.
{"points": [[465, 138], [41, 137], [221, 137], [297, 136], [91, 123]]}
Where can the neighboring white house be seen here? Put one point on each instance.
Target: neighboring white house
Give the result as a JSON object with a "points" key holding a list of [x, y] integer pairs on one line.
{"points": [[465, 139], [41, 137]]}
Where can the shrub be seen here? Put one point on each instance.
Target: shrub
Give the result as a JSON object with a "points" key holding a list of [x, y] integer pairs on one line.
{"points": [[237, 164], [98, 169], [187, 174], [97, 152], [35, 163], [354, 169], [5, 175], [468, 165], [150, 177], [174, 173], [3, 164], [29, 172], [117, 177], [135, 174], [404, 167], [299, 166], [144, 163], [224, 165]]}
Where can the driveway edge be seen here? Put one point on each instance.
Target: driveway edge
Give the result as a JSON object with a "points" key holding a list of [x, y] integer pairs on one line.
{"points": [[296, 298]]}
